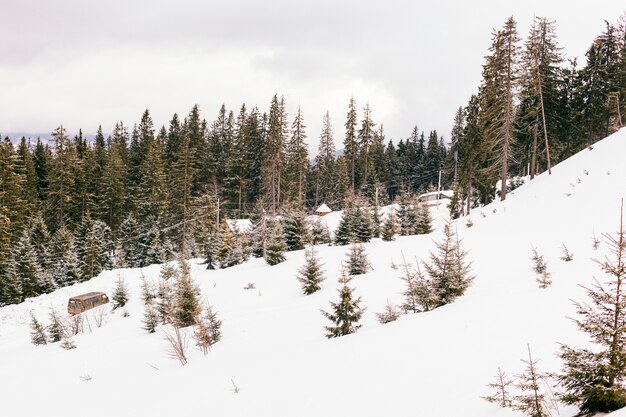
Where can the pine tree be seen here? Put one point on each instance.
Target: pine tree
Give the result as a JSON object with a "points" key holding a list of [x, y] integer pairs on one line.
{"points": [[319, 232], [346, 313], [448, 272], [37, 331], [310, 274], [274, 251], [423, 219], [67, 343], [358, 263], [540, 267], [350, 146], [150, 318], [362, 226], [208, 329], [390, 314], [594, 378], [390, 228], [225, 246], [533, 401], [294, 229], [120, 294], [34, 281], [186, 307], [56, 331], [345, 231], [65, 267], [501, 396], [129, 243]]}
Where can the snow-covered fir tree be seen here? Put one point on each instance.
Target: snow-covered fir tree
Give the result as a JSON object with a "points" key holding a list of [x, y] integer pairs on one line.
{"points": [[294, 229], [65, 267], [390, 228], [447, 270], [310, 274], [346, 313], [186, 306], [37, 331], [275, 246], [319, 232], [56, 330], [357, 262], [207, 331], [120, 294], [424, 220], [129, 243], [33, 279]]}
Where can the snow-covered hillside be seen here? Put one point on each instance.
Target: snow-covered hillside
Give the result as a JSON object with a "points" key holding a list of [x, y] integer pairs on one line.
{"points": [[273, 347]]}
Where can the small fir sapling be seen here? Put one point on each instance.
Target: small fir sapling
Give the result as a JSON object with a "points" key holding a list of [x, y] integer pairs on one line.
{"points": [[501, 388], [319, 232], [68, 343], [345, 313], [275, 247], [310, 275], [540, 267], [150, 318], [120, 294], [447, 271], [250, 286], [469, 223], [424, 220], [536, 399], [37, 331], [56, 331], [207, 330], [390, 228], [186, 308], [595, 243], [357, 260], [391, 313], [148, 292], [566, 255]]}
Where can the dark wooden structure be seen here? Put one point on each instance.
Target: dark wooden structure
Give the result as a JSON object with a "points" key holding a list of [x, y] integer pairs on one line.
{"points": [[84, 302]]}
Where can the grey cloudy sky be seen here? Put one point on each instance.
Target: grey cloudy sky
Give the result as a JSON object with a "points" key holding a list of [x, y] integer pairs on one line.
{"points": [[85, 63]]}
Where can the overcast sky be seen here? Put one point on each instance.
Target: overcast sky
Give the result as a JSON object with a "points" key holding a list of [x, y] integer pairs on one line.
{"points": [[85, 63]]}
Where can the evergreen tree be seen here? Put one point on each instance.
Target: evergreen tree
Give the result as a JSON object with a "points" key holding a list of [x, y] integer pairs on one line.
{"points": [[55, 329], [594, 378], [276, 247], [33, 280], [37, 331], [423, 219], [297, 160], [447, 270], [294, 229], [65, 266], [186, 305], [150, 318], [129, 243], [350, 146], [310, 274], [533, 400], [357, 260], [120, 294], [319, 232], [346, 313], [390, 228], [208, 329]]}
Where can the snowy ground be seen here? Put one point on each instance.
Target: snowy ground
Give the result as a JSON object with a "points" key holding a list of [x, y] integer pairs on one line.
{"points": [[274, 349]]}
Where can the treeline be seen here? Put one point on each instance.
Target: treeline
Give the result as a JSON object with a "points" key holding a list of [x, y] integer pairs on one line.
{"points": [[534, 108]]}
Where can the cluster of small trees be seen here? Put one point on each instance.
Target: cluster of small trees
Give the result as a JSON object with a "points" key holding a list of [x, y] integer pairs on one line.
{"points": [[59, 330], [594, 378]]}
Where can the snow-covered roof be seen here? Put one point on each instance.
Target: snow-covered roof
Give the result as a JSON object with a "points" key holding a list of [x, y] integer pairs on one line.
{"points": [[323, 209]]}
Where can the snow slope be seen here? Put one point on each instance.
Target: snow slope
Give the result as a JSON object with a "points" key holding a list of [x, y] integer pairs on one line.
{"points": [[274, 349]]}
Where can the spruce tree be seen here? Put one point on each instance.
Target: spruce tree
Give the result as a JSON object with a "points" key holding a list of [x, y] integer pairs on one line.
{"points": [[357, 262], [186, 304], [319, 232], [33, 280], [120, 294], [424, 220], [448, 271], [310, 274], [390, 228], [150, 318], [533, 400], [594, 378], [65, 266], [275, 248], [345, 231], [346, 313], [37, 331], [56, 330], [294, 229], [207, 330]]}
